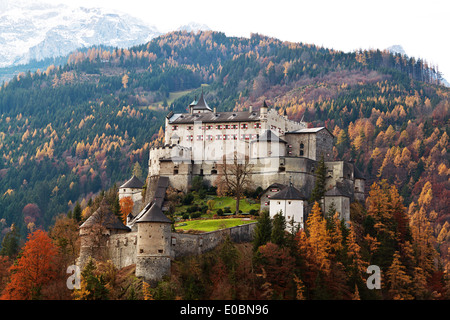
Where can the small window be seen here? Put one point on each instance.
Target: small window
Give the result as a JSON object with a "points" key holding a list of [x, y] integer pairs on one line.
{"points": [[301, 152], [160, 251], [278, 202]]}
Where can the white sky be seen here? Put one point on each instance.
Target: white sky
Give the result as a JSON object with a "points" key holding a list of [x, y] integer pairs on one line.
{"points": [[422, 27]]}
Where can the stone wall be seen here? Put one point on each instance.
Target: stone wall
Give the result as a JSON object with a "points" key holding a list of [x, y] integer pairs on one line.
{"points": [[122, 249], [184, 244]]}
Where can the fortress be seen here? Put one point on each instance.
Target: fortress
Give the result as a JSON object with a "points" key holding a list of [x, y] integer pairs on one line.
{"points": [[284, 155]]}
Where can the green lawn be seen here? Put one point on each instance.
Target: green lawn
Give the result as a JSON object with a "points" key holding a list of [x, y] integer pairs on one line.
{"points": [[208, 225]]}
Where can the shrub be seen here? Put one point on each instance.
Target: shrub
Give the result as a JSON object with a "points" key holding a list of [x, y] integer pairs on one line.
{"points": [[219, 212], [196, 215], [187, 199]]}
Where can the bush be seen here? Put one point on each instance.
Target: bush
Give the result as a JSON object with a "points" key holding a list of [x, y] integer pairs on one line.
{"points": [[187, 199], [226, 210], [219, 212], [253, 212], [196, 215], [185, 216]]}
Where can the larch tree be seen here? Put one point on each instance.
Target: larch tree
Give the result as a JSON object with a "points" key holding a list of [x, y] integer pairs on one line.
{"points": [[33, 270], [126, 206], [398, 281]]}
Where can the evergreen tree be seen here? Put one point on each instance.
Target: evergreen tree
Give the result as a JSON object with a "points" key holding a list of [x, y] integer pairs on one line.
{"points": [[278, 229], [319, 187], [10, 243], [263, 230], [76, 214]]}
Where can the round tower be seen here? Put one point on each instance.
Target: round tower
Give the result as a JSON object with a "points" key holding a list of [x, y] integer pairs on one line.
{"points": [[153, 245]]}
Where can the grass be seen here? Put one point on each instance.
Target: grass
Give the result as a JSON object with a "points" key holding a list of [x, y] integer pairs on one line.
{"points": [[208, 225]]}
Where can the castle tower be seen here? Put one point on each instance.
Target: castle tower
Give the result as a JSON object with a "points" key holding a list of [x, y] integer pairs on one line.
{"points": [[153, 245]]}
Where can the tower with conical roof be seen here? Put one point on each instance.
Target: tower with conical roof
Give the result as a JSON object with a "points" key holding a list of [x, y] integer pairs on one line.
{"points": [[153, 245]]}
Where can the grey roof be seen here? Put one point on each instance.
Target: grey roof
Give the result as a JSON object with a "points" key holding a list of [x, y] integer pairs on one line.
{"points": [[160, 192], [105, 217], [337, 191], [153, 214], [310, 130], [270, 136], [358, 174], [218, 117], [288, 193], [200, 104], [134, 182]]}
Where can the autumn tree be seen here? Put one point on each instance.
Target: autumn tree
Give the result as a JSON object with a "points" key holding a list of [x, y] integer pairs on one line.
{"points": [[126, 207], [33, 270], [235, 175], [398, 281]]}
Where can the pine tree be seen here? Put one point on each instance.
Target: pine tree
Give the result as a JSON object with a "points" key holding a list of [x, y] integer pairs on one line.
{"points": [[76, 213], [319, 187], [278, 229], [263, 230]]}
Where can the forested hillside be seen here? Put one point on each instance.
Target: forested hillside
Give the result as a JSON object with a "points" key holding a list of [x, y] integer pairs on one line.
{"points": [[68, 132]]}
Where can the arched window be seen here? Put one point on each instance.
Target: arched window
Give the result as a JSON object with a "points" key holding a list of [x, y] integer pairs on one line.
{"points": [[302, 151]]}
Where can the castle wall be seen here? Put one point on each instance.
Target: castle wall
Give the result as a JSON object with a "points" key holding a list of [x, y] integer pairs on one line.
{"points": [[342, 205], [122, 249], [184, 244]]}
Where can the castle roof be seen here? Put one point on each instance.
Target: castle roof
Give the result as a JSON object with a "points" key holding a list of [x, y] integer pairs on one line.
{"points": [[217, 117], [134, 182], [310, 130], [337, 191], [288, 193], [153, 213], [105, 217], [200, 104]]}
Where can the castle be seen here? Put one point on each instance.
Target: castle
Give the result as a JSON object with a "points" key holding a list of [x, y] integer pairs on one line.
{"points": [[283, 153]]}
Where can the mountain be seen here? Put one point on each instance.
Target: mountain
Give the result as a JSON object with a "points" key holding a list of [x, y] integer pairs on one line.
{"points": [[396, 49], [68, 132], [36, 31], [194, 27]]}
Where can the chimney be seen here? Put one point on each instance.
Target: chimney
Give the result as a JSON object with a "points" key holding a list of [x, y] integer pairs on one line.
{"points": [[250, 109], [214, 110]]}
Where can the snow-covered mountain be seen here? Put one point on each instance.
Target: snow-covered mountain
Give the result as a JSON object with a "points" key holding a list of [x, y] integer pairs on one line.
{"points": [[35, 31], [396, 49], [194, 27]]}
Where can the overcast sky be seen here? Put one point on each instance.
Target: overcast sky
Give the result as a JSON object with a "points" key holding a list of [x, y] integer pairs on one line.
{"points": [[421, 27]]}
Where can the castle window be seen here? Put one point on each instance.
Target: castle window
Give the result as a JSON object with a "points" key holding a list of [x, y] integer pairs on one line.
{"points": [[278, 202], [199, 137], [174, 127], [214, 171], [218, 126], [189, 127], [160, 251], [257, 125], [244, 126], [175, 171], [301, 152], [141, 250], [289, 202]]}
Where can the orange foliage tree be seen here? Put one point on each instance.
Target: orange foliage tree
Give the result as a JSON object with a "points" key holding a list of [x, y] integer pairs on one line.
{"points": [[33, 270], [126, 206]]}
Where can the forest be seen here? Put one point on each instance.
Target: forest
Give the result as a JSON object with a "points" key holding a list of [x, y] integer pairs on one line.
{"points": [[71, 131]]}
